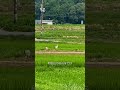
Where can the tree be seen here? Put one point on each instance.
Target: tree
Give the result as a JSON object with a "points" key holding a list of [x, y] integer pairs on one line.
{"points": [[15, 11], [62, 11], [77, 13]]}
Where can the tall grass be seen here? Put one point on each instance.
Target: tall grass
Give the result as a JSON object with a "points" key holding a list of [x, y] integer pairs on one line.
{"points": [[15, 47], [103, 78], [16, 78], [59, 77]]}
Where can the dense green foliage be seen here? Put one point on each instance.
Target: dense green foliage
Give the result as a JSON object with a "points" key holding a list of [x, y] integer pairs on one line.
{"points": [[62, 11], [25, 15]]}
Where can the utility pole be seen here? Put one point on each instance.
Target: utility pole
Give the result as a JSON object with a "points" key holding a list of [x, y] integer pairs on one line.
{"points": [[15, 11], [42, 9], [41, 12]]}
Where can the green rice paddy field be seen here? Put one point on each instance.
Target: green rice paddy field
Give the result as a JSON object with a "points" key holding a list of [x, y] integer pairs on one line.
{"points": [[108, 52], [62, 47], [16, 78], [54, 76], [12, 75], [60, 76], [102, 78], [14, 48], [60, 71]]}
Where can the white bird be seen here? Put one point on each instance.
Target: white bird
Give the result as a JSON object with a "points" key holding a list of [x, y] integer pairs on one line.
{"points": [[46, 48], [56, 47], [27, 53]]}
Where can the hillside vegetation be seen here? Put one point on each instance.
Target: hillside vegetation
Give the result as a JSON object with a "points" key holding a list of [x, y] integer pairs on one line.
{"points": [[25, 13], [62, 11]]}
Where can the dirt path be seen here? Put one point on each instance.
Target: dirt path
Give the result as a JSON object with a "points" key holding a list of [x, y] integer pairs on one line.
{"points": [[55, 41], [103, 64], [5, 33], [56, 52], [17, 63]]}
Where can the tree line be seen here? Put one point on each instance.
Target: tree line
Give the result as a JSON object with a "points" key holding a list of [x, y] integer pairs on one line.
{"points": [[62, 11]]}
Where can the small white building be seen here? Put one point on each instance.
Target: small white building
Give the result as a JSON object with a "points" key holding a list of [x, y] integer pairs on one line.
{"points": [[82, 22], [49, 22]]}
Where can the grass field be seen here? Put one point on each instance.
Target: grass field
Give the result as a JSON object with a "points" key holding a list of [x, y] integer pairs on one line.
{"points": [[60, 76], [105, 78], [65, 33], [68, 40], [103, 35], [14, 47], [16, 78], [62, 46], [107, 51], [77, 60], [60, 71]]}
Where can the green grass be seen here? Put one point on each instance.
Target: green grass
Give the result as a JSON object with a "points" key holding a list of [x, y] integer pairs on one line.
{"points": [[62, 46], [62, 33], [77, 60], [103, 78], [106, 50], [61, 27], [16, 78], [57, 34], [69, 37], [15, 47], [60, 71], [60, 77]]}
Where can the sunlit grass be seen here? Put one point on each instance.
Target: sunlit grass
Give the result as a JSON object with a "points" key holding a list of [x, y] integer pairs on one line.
{"points": [[60, 77]]}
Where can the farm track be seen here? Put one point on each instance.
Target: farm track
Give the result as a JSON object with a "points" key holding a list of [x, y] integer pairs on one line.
{"points": [[103, 41], [56, 52], [17, 63], [102, 64], [39, 30], [54, 41], [5, 33], [32, 63]]}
